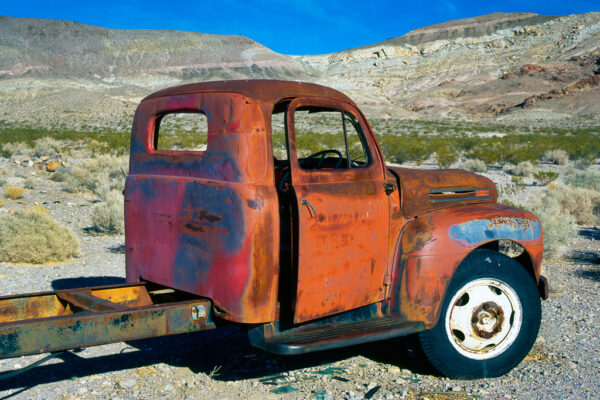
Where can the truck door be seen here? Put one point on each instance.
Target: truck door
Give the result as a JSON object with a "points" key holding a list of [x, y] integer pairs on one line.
{"points": [[337, 176]]}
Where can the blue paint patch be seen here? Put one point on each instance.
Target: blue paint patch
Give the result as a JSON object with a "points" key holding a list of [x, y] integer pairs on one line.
{"points": [[211, 221], [483, 230]]}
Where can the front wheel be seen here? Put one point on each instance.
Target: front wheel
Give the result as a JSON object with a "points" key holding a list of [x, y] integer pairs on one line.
{"points": [[489, 319]]}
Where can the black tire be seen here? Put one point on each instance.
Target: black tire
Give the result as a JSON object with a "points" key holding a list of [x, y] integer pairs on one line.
{"points": [[474, 354]]}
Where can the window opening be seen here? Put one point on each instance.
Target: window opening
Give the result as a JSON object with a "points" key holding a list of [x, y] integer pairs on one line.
{"points": [[181, 131], [328, 138]]}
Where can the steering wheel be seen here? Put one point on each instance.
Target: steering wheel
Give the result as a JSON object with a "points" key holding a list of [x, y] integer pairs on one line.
{"points": [[321, 155]]}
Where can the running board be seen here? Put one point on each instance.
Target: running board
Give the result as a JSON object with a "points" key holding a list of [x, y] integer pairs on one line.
{"points": [[309, 338], [54, 321]]}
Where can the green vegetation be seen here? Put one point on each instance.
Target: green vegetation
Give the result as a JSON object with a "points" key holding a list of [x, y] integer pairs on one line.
{"points": [[586, 178], [545, 177], [401, 141], [22, 141], [32, 236]]}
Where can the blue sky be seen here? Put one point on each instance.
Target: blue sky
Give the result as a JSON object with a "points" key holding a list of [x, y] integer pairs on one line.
{"points": [[290, 26]]}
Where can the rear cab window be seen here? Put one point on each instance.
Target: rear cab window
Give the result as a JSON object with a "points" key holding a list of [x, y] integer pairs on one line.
{"points": [[181, 131]]}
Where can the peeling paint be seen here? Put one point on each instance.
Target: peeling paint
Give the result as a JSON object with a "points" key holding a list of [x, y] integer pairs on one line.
{"points": [[477, 231]]}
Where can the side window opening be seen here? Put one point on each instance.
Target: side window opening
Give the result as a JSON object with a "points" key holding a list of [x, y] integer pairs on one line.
{"points": [[278, 133], [328, 138], [181, 131]]}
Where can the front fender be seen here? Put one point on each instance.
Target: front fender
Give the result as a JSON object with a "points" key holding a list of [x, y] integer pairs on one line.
{"points": [[432, 246]]}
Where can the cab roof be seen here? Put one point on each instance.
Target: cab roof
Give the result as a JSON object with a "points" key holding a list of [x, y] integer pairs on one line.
{"points": [[263, 90]]}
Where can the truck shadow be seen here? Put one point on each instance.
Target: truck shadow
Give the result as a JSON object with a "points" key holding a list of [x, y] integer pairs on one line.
{"points": [[224, 354], [88, 281]]}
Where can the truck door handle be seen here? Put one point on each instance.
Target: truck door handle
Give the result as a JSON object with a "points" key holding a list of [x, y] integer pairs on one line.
{"points": [[310, 207]]}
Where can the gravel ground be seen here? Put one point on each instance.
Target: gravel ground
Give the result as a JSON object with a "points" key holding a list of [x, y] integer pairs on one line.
{"points": [[222, 365]]}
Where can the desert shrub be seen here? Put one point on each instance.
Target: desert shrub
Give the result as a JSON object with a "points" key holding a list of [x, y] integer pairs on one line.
{"points": [[558, 224], [510, 203], [46, 146], [545, 177], [524, 168], [13, 192], [518, 183], [559, 157], [107, 217], [32, 236], [96, 174], [111, 142], [582, 204], [446, 156], [585, 161], [587, 178], [29, 184], [475, 165], [39, 209], [487, 152], [16, 149]]}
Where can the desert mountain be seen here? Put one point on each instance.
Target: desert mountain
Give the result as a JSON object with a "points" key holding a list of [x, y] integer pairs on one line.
{"points": [[519, 67]]}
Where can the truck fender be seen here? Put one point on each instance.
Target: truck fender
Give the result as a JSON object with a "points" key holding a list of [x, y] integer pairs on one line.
{"points": [[431, 247]]}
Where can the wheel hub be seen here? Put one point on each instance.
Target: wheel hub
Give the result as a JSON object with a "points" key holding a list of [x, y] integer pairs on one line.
{"points": [[487, 320]]}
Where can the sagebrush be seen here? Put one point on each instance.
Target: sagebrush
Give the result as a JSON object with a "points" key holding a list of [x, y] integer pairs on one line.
{"points": [[107, 217], [524, 168], [558, 225], [582, 204], [474, 165], [13, 192], [99, 175], [559, 157], [32, 236], [587, 178]]}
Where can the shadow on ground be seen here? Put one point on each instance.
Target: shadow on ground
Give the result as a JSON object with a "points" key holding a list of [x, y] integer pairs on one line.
{"points": [[589, 272], [84, 282], [590, 232], [235, 359]]}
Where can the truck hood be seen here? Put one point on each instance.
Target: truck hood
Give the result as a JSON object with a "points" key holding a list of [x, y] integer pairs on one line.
{"points": [[422, 191]]}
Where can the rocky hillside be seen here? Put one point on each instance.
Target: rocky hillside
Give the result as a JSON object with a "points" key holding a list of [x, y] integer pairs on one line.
{"points": [[63, 49], [517, 67], [510, 66]]}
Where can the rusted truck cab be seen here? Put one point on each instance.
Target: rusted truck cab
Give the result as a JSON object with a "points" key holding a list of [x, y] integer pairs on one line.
{"points": [[316, 246]]}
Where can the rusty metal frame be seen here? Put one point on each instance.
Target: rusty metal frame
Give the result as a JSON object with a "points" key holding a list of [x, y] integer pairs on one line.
{"points": [[54, 321]]}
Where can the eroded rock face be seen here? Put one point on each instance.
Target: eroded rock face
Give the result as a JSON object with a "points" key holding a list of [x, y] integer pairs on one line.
{"points": [[511, 66], [485, 66]]}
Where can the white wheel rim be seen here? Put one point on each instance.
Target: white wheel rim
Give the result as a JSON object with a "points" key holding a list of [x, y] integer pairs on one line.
{"points": [[483, 319]]}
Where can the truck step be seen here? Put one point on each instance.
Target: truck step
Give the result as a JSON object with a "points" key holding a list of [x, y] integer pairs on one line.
{"points": [[310, 338]]}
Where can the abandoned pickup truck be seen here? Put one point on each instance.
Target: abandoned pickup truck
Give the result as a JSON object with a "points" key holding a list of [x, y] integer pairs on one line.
{"points": [[286, 220]]}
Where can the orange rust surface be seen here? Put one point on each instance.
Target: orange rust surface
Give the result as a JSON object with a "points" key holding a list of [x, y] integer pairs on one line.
{"points": [[343, 253], [206, 222], [429, 255], [262, 90], [416, 186]]}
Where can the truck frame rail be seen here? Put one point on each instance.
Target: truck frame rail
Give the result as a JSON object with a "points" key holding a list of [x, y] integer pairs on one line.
{"points": [[44, 322]]}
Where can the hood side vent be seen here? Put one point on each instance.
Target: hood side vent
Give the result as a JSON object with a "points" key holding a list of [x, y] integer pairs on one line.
{"points": [[459, 194]]}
